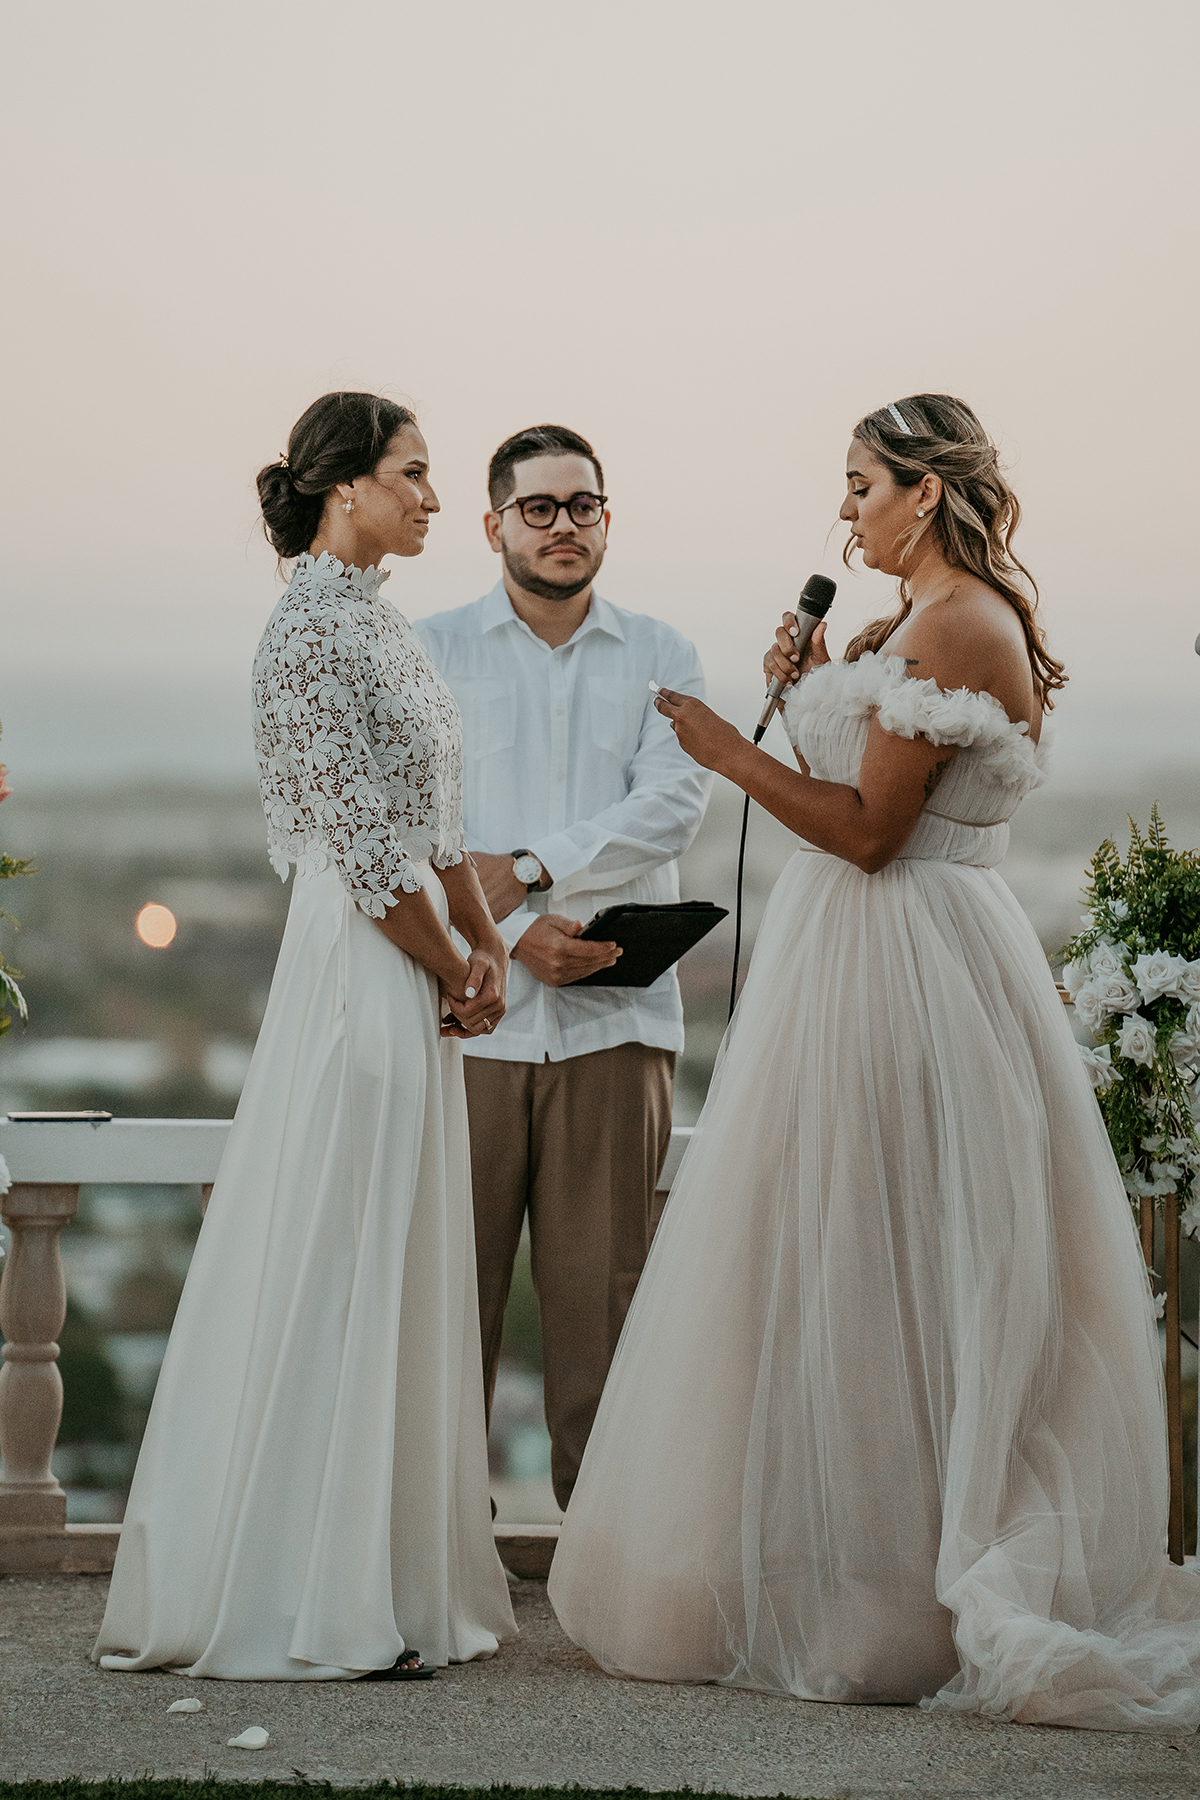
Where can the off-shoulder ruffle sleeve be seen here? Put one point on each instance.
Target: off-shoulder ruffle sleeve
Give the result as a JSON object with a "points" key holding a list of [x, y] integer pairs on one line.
{"points": [[911, 708]]}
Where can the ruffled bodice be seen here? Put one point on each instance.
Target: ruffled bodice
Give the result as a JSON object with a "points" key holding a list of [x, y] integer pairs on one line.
{"points": [[359, 740], [828, 715]]}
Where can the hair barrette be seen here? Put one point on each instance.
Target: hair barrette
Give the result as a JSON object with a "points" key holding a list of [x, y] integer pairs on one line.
{"points": [[283, 461], [901, 421]]}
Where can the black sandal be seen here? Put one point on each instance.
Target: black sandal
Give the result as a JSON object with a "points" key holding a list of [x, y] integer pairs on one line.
{"points": [[402, 1669]]}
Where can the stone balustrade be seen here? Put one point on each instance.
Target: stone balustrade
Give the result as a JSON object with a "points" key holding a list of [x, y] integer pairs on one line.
{"points": [[48, 1162]]}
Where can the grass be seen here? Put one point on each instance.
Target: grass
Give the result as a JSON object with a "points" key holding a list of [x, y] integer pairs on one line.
{"points": [[212, 1789]]}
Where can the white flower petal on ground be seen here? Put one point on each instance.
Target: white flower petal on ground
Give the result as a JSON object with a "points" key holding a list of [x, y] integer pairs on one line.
{"points": [[1135, 1040], [186, 1706], [253, 1738], [1158, 973], [1160, 1305]]}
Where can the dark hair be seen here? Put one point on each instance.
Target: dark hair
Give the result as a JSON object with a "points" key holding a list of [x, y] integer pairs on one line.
{"points": [[339, 438], [973, 523], [538, 440]]}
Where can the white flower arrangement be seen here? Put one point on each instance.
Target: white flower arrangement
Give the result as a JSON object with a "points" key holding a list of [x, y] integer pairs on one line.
{"points": [[1133, 975]]}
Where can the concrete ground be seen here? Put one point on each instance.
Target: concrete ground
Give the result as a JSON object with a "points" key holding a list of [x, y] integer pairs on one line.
{"points": [[540, 1713]]}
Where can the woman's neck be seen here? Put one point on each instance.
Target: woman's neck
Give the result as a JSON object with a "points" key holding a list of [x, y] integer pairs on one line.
{"points": [[931, 579], [339, 538]]}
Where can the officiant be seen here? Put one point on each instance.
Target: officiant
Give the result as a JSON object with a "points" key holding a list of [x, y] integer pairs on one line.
{"points": [[576, 797]]}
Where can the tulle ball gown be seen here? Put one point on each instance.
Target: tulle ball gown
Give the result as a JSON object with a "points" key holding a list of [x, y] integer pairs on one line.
{"points": [[886, 1422], [311, 1496]]}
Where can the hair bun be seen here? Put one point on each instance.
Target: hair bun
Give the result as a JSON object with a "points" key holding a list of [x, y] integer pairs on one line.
{"points": [[290, 518]]}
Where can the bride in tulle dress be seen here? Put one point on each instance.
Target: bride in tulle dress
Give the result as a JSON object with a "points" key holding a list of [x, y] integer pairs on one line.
{"points": [[886, 1421]]}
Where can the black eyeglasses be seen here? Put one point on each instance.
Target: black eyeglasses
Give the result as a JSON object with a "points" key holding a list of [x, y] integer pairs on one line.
{"points": [[540, 511]]}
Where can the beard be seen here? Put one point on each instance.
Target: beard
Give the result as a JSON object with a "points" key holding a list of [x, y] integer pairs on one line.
{"points": [[527, 574]]}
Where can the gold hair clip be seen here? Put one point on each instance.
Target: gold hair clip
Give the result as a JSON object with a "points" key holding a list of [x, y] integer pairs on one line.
{"points": [[283, 461]]}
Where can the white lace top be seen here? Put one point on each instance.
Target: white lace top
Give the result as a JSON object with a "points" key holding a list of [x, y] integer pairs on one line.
{"points": [[828, 715], [359, 740]]}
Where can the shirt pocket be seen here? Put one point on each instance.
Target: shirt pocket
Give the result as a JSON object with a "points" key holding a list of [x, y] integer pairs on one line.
{"points": [[489, 713], [616, 709]]}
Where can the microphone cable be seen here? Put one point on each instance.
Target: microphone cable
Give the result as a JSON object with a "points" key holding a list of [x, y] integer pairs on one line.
{"points": [[737, 917]]}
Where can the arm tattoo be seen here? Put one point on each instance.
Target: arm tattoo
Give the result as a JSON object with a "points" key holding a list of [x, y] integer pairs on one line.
{"points": [[910, 662], [935, 775]]}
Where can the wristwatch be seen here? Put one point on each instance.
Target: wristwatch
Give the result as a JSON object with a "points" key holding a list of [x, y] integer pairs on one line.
{"points": [[528, 870]]}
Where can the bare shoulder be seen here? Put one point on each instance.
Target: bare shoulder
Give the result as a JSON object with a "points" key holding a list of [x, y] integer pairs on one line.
{"points": [[973, 639]]}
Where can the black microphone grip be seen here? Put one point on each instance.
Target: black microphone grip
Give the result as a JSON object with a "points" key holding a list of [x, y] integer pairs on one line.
{"points": [[815, 600]]}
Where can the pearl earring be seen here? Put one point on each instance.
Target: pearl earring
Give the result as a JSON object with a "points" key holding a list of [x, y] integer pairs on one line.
{"points": [[920, 512], [349, 506]]}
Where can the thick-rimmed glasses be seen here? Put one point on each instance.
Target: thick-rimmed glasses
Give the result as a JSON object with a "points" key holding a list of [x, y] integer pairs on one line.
{"points": [[540, 511]]}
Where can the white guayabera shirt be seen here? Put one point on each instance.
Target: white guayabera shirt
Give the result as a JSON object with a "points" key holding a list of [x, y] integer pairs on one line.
{"points": [[565, 755]]}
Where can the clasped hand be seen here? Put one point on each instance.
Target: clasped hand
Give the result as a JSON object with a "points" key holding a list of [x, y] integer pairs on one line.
{"points": [[473, 1002]]}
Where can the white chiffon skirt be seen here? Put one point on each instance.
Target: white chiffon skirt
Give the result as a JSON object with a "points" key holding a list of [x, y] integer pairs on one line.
{"points": [[311, 1496], [886, 1422]]}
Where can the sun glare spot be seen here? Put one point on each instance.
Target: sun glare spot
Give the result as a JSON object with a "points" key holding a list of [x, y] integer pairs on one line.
{"points": [[156, 926]]}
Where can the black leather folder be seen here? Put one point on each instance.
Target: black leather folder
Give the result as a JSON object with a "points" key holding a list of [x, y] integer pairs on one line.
{"points": [[652, 938]]}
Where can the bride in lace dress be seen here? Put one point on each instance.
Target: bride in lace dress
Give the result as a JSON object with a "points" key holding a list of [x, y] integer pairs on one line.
{"points": [[311, 1499], [886, 1421]]}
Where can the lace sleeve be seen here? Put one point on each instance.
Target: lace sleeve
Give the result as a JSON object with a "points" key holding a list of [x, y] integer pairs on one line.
{"points": [[320, 775]]}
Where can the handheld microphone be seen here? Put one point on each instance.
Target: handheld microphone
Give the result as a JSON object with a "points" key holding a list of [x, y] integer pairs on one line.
{"points": [[816, 597]]}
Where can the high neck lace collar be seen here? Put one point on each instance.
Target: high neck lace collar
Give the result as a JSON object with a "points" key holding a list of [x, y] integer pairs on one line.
{"points": [[327, 568]]}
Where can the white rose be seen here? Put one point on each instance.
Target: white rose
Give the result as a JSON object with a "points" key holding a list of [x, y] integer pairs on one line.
{"points": [[1087, 1005], [1105, 959], [1185, 1050], [1158, 973], [1074, 974], [1135, 1040], [1188, 984], [1115, 994], [1099, 1065]]}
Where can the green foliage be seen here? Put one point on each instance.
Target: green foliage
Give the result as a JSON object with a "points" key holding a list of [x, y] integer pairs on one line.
{"points": [[1134, 975], [93, 1411]]}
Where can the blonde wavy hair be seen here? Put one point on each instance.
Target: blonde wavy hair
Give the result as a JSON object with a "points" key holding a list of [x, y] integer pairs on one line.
{"points": [[973, 523]]}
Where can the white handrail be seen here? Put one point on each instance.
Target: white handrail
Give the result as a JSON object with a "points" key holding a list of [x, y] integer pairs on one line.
{"points": [[48, 1161]]}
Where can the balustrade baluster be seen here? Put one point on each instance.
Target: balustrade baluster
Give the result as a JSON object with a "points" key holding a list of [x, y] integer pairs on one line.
{"points": [[33, 1305]]}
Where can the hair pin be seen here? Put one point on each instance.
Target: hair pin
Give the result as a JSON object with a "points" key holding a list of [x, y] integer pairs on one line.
{"points": [[283, 461], [901, 421]]}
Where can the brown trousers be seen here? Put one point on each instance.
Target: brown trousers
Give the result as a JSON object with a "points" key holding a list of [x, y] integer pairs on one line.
{"points": [[578, 1145]]}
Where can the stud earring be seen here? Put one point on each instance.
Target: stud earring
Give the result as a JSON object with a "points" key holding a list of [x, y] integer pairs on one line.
{"points": [[349, 506], [920, 512]]}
